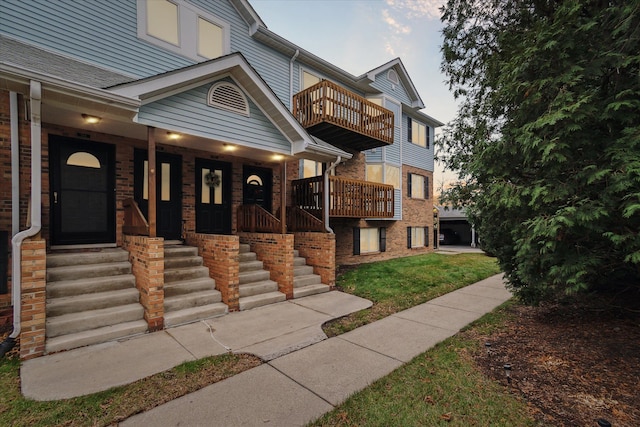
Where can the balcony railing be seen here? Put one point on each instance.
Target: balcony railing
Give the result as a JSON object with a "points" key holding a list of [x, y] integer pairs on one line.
{"points": [[348, 198], [255, 219], [343, 118], [134, 221]]}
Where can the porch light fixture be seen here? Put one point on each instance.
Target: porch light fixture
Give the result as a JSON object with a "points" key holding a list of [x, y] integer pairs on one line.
{"points": [[277, 157], [507, 372], [91, 119], [173, 136], [229, 147]]}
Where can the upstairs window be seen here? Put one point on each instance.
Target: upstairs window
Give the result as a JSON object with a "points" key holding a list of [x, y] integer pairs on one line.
{"points": [[384, 174], [418, 186], [418, 133], [182, 28]]}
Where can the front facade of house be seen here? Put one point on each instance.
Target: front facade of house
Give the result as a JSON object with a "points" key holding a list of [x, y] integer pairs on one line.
{"points": [[171, 160]]}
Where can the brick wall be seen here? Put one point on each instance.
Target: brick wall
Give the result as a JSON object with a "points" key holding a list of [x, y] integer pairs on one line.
{"points": [[147, 259], [320, 251], [33, 315], [276, 253], [221, 255]]}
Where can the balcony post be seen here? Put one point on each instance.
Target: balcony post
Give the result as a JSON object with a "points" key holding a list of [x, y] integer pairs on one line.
{"points": [[283, 197], [151, 141]]}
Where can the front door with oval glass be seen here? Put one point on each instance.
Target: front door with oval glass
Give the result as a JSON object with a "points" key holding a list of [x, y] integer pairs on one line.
{"points": [[213, 197], [82, 191], [256, 188]]}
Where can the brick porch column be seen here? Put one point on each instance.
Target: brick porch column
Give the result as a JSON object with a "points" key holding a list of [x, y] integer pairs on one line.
{"points": [[33, 268]]}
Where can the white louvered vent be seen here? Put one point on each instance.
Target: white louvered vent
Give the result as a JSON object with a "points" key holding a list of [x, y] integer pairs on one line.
{"points": [[227, 96], [392, 76]]}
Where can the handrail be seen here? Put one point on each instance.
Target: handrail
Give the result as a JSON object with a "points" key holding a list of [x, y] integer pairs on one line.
{"points": [[348, 198], [299, 219], [256, 219], [328, 102], [134, 221]]}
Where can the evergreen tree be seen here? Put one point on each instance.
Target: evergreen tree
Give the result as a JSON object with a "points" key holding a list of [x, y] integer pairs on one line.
{"points": [[547, 138]]}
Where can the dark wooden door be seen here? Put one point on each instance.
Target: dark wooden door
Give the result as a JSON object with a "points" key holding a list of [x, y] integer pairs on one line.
{"points": [[168, 191], [257, 186], [82, 191], [213, 197]]}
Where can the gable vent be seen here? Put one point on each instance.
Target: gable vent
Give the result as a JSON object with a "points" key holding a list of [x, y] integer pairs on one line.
{"points": [[228, 97], [392, 76]]}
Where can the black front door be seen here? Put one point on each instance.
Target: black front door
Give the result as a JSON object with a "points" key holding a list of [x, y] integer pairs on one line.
{"points": [[82, 191], [256, 188], [213, 197], [168, 191]]}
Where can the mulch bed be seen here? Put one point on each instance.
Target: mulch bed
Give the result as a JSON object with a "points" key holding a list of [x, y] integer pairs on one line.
{"points": [[572, 365]]}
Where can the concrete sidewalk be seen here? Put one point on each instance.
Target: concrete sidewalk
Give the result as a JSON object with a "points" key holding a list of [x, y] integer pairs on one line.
{"points": [[300, 386]]}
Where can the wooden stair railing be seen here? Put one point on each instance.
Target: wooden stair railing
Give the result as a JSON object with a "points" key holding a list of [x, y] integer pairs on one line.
{"points": [[134, 221], [299, 219], [256, 219]]}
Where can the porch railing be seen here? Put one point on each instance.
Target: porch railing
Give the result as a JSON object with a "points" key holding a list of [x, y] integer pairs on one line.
{"points": [[326, 102], [256, 219], [348, 198], [134, 221], [300, 220]]}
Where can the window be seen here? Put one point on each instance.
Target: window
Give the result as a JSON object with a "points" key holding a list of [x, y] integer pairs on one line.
{"points": [[417, 237], [182, 28], [418, 133], [309, 80], [369, 240], [385, 174], [418, 186], [310, 168]]}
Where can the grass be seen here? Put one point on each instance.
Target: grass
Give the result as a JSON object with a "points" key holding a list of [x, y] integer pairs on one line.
{"points": [[392, 285], [441, 387], [118, 403], [402, 283]]}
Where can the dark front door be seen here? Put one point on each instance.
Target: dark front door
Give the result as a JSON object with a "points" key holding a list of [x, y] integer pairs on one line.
{"points": [[256, 189], [168, 191], [82, 191], [213, 197]]}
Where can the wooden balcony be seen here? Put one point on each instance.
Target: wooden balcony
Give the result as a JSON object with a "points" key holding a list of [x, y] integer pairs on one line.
{"points": [[348, 198], [343, 118]]}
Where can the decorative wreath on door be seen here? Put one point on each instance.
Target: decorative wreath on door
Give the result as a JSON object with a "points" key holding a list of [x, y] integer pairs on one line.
{"points": [[212, 179]]}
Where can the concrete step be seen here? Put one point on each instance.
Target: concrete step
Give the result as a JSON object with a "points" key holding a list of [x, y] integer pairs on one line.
{"points": [[186, 273], [248, 256], [307, 280], [66, 288], [296, 253], [96, 336], [256, 288], [251, 265], [310, 290], [86, 320], [86, 271], [244, 248], [182, 262], [188, 286], [180, 251], [253, 276], [94, 301], [194, 299], [302, 270], [62, 259], [194, 314], [247, 303], [298, 260]]}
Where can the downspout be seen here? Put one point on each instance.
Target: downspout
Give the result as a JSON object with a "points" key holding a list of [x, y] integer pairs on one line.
{"points": [[36, 220], [15, 164], [291, 61], [326, 193]]}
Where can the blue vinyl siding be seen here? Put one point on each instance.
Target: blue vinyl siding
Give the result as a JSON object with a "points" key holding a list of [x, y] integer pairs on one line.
{"points": [[189, 113], [383, 84]]}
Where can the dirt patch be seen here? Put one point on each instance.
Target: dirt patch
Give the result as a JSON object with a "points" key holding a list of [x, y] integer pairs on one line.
{"points": [[573, 365]]}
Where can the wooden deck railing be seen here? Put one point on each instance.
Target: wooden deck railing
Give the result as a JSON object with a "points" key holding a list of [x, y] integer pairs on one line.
{"points": [[256, 219], [348, 198], [134, 221], [326, 102], [300, 220]]}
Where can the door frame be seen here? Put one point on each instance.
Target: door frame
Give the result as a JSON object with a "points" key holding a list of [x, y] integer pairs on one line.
{"points": [[266, 174], [227, 200]]}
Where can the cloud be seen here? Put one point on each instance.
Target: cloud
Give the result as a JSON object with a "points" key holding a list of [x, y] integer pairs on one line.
{"points": [[395, 25], [413, 9]]}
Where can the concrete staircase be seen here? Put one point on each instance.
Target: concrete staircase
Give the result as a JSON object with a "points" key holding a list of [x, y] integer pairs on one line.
{"points": [[256, 289], [189, 292], [91, 298], [305, 282]]}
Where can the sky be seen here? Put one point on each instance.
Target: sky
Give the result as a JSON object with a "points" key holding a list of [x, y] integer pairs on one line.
{"points": [[359, 35]]}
